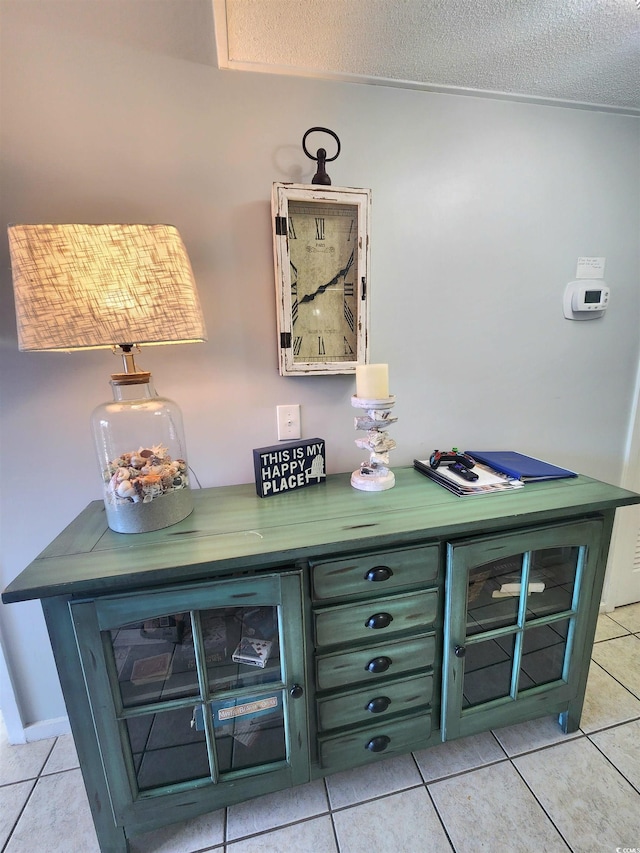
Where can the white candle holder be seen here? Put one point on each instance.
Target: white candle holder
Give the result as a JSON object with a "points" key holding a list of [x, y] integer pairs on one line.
{"points": [[374, 475]]}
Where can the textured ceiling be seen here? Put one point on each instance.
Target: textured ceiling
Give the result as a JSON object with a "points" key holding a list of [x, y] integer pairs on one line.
{"points": [[579, 52]]}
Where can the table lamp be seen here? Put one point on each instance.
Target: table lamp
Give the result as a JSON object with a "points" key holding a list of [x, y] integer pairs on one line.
{"points": [[116, 286]]}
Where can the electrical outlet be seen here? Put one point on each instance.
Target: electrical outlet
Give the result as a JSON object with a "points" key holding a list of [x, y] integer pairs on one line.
{"points": [[288, 422]]}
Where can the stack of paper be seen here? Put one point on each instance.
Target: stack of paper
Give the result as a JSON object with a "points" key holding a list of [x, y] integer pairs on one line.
{"points": [[488, 482]]}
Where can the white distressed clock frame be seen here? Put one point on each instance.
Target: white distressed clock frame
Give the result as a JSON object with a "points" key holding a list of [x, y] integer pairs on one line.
{"points": [[282, 195]]}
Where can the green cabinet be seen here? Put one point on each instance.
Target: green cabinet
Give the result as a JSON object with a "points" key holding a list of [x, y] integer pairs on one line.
{"points": [[259, 644], [517, 617]]}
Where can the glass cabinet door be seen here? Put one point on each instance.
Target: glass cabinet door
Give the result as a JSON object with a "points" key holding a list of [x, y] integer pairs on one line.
{"points": [[511, 622], [202, 685], [231, 656]]}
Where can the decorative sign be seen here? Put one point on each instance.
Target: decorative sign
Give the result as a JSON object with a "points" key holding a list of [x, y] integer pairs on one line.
{"points": [[285, 467]]}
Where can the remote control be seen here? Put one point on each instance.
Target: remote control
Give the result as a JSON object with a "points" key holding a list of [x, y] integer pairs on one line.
{"points": [[453, 455], [459, 469]]}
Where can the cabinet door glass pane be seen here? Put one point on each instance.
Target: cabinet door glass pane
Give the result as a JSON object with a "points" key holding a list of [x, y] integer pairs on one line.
{"points": [[491, 602], [250, 731], [155, 660], [487, 671], [543, 653], [241, 647], [552, 578], [167, 749]]}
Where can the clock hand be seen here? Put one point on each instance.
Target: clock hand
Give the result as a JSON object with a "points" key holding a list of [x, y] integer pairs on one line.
{"points": [[309, 297]]}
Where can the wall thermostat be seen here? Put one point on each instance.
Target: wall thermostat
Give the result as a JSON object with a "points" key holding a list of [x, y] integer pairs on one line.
{"points": [[585, 300]]}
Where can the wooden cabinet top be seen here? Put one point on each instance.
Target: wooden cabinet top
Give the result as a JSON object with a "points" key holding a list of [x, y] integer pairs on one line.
{"points": [[232, 529]]}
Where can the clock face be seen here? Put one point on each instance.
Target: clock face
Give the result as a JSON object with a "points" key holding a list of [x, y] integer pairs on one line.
{"points": [[323, 255]]}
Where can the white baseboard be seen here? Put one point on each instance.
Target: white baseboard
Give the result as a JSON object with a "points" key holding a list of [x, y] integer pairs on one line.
{"points": [[47, 728]]}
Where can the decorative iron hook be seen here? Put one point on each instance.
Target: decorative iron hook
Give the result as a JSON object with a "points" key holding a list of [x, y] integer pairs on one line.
{"points": [[321, 176]]}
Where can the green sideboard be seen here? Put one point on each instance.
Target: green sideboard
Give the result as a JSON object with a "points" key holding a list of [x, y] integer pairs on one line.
{"points": [[262, 643]]}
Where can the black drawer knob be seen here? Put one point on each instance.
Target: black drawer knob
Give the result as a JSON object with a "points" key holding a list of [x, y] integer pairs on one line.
{"points": [[380, 664], [296, 691], [459, 651], [378, 573], [379, 620], [378, 744], [378, 705]]}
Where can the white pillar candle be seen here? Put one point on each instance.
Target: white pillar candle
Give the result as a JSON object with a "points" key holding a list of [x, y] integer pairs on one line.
{"points": [[372, 381]]}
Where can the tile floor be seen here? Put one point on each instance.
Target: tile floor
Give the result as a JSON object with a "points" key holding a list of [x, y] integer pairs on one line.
{"points": [[523, 789]]}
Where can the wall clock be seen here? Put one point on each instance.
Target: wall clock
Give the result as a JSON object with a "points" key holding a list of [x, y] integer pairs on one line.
{"points": [[321, 257]]}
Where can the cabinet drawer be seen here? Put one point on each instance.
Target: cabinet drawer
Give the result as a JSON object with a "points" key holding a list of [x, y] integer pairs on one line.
{"points": [[369, 619], [369, 743], [375, 702], [373, 573], [373, 663]]}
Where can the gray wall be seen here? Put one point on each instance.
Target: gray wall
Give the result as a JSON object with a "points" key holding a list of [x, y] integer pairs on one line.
{"points": [[115, 112]]}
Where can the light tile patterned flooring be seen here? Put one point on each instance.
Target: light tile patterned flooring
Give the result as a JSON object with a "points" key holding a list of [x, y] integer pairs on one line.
{"points": [[523, 789]]}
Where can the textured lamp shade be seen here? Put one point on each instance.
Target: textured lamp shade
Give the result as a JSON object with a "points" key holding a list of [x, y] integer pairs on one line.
{"points": [[92, 286]]}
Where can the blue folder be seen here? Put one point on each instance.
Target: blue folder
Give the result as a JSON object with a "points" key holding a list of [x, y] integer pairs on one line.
{"points": [[517, 465]]}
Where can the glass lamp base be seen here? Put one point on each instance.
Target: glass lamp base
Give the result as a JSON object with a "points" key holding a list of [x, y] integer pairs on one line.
{"points": [[145, 517], [141, 452]]}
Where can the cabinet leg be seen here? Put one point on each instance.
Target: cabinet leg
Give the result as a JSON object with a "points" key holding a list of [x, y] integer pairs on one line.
{"points": [[569, 721], [113, 840]]}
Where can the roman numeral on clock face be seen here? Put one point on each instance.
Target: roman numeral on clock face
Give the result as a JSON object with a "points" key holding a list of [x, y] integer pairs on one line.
{"points": [[292, 230], [347, 347], [294, 311], [349, 317], [297, 345], [349, 288], [321, 349], [319, 227]]}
